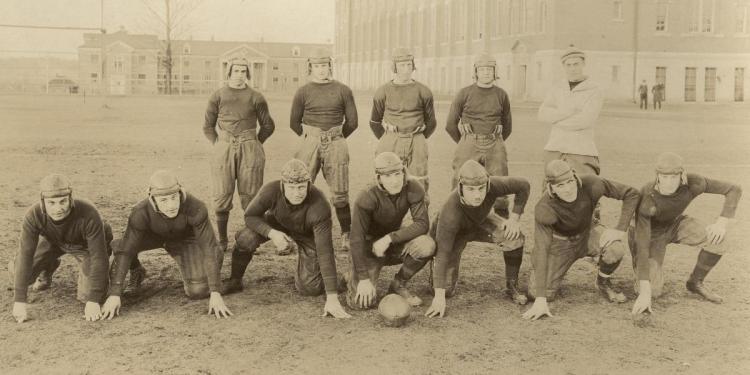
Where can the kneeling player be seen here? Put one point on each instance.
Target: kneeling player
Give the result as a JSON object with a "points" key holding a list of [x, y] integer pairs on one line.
{"points": [[378, 238], [565, 232], [661, 220], [467, 216], [293, 214], [177, 222], [66, 226]]}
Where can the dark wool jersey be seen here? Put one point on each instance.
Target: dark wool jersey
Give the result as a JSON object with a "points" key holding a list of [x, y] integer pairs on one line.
{"points": [[309, 219], [191, 223], [482, 107], [82, 229], [456, 218], [657, 211], [236, 110], [324, 106], [553, 215], [405, 106], [377, 213]]}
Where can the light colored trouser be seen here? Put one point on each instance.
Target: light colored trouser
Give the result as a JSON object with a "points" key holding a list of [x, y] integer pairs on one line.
{"points": [[236, 159], [684, 230], [491, 231], [189, 257], [327, 151], [489, 151], [308, 280], [564, 251], [47, 254], [412, 149], [582, 164]]}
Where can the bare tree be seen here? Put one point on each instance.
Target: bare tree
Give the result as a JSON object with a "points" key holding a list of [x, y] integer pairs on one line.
{"points": [[171, 18]]}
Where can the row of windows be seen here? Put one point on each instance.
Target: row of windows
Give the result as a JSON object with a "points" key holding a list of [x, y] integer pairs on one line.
{"points": [[702, 15]]}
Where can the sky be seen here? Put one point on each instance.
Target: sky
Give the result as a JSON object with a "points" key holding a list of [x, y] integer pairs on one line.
{"points": [[302, 21]]}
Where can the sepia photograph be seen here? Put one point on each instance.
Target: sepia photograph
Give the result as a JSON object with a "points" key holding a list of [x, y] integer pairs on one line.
{"points": [[374, 187]]}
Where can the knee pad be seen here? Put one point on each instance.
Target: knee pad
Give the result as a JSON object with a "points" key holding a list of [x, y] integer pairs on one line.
{"points": [[340, 200], [613, 253], [247, 241], [423, 247], [196, 290]]}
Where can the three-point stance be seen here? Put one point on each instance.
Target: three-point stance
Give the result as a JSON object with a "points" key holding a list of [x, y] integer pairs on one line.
{"points": [[467, 216], [295, 215]]}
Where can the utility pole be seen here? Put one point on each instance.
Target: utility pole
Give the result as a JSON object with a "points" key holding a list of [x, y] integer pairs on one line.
{"points": [[635, 51], [102, 84], [168, 57]]}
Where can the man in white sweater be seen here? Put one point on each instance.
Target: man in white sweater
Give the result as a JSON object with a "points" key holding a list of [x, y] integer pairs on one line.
{"points": [[572, 108]]}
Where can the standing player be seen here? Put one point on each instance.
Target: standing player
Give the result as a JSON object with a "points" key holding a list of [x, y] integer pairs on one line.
{"points": [[467, 216], [565, 232], [661, 220], [323, 111], [232, 119], [480, 121], [66, 226], [572, 108], [378, 238], [293, 214], [177, 222], [643, 91], [403, 117]]}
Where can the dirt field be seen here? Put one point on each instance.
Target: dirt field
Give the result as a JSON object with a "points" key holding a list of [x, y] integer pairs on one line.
{"points": [[110, 152]]}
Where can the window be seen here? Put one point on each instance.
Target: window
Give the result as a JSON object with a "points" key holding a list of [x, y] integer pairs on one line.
{"points": [[739, 84], [617, 10], [479, 13], [94, 77], [295, 79], [186, 49], [207, 77], [709, 94], [514, 17], [741, 22], [662, 14], [701, 18], [497, 18], [141, 59], [118, 64], [295, 51], [615, 73], [186, 78], [522, 14], [207, 64], [690, 84], [275, 79], [94, 59], [458, 18], [141, 76], [538, 70], [186, 63], [275, 66], [707, 18]]}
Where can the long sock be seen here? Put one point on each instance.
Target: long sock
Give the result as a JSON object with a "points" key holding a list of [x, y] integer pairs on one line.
{"points": [[706, 261], [135, 263], [410, 267], [513, 261], [345, 218], [222, 222], [240, 260]]}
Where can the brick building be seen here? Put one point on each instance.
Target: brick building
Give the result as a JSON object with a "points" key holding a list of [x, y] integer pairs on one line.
{"points": [[133, 64], [700, 49]]}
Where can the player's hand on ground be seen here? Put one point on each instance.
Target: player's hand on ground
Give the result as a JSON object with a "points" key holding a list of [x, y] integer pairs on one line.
{"points": [[20, 314], [716, 231], [217, 307], [365, 293], [279, 239], [609, 236], [437, 308], [380, 246], [111, 307], [537, 310], [512, 227], [464, 128], [643, 302], [334, 308], [92, 312]]}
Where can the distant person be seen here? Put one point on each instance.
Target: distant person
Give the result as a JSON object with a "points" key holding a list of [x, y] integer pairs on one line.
{"points": [[403, 117], [324, 114], [643, 91], [661, 220], [173, 220], [657, 92], [233, 115], [57, 225]]}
